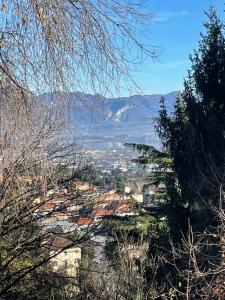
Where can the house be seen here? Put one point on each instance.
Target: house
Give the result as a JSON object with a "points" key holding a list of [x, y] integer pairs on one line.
{"points": [[126, 213], [84, 222], [75, 207], [50, 224], [127, 189], [123, 207], [65, 260], [112, 196], [61, 216], [82, 186], [99, 214], [137, 197]]}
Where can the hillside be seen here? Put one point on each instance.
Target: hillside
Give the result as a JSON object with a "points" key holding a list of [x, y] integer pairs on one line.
{"points": [[112, 121]]}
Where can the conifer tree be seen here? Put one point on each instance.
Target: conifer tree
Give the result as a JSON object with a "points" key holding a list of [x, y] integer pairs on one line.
{"points": [[192, 164], [194, 135]]}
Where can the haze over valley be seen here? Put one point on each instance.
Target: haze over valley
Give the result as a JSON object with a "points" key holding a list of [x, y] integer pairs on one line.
{"points": [[107, 123]]}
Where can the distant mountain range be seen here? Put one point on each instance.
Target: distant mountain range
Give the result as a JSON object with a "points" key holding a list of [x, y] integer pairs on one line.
{"points": [[124, 119]]}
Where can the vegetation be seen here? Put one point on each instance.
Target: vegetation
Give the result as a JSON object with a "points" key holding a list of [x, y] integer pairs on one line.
{"points": [[172, 251], [191, 164], [114, 180], [45, 47], [175, 250]]}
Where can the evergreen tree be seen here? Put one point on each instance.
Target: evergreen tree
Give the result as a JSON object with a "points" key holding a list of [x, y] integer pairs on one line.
{"points": [[192, 160], [194, 135]]}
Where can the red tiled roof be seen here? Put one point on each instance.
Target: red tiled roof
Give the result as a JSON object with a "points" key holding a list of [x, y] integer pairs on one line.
{"points": [[122, 208], [47, 206], [85, 221], [102, 212], [59, 242]]}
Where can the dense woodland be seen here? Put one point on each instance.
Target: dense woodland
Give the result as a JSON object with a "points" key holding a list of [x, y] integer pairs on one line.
{"points": [[173, 250]]}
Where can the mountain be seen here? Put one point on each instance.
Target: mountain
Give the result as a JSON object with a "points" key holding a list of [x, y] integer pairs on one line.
{"points": [[136, 109], [127, 119], [93, 110]]}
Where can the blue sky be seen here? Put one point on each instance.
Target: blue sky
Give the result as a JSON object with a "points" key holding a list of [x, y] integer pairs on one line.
{"points": [[176, 29]]}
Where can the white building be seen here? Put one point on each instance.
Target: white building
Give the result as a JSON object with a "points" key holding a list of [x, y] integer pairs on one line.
{"points": [[66, 262]]}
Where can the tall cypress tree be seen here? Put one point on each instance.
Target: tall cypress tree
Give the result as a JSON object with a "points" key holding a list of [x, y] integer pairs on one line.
{"points": [[194, 135]]}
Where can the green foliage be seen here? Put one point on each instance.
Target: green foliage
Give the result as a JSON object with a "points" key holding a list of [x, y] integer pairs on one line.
{"points": [[35, 282], [192, 159], [91, 174], [87, 257], [194, 135], [149, 155], [135, 224], [88, 173]]}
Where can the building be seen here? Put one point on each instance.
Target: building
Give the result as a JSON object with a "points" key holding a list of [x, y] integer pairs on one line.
{"points": [[66, 262], [138, 197]]}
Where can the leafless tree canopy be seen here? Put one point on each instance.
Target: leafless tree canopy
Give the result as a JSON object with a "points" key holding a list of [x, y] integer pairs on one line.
{"points": [[53, 44]]}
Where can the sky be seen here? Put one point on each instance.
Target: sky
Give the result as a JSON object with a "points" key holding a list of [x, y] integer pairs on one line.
{"points": [[176, 30]]}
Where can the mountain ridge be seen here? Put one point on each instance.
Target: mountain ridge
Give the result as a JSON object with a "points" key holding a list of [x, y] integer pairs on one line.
{"points": [[108, 123], [88, 110]]}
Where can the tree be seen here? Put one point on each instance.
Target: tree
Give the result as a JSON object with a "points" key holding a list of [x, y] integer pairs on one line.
{"points": [[25, 253], [88, 173], [194, 135], [193, 142], [71, 44], [192, 158], [194, 138], [48, 45]]}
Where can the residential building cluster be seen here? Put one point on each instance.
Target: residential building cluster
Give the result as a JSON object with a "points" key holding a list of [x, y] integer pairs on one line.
{"points": [[84, 206]]}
